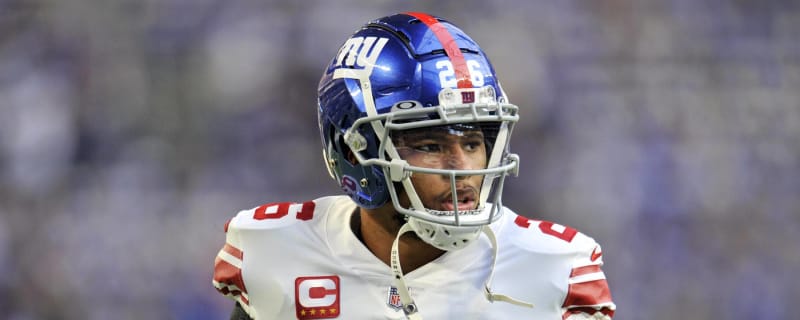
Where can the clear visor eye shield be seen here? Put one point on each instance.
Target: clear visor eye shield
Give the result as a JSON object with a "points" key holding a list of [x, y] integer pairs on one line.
{"points": [[459, 109]]}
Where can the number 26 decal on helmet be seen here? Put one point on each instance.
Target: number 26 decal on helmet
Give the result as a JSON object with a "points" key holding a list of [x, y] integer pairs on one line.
{"points": [[447, 75]]}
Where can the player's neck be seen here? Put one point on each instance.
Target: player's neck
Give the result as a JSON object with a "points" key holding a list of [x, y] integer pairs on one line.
{"points": [[377, 230]]}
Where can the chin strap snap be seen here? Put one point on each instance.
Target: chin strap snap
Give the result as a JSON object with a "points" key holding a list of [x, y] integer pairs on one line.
{"points": [[410, 307]]}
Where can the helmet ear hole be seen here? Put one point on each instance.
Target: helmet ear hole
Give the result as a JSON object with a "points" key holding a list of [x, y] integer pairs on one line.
{"points": [[333, 139]]}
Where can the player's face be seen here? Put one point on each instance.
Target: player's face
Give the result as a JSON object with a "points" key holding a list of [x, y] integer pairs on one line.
{"points": [[456, 147]]}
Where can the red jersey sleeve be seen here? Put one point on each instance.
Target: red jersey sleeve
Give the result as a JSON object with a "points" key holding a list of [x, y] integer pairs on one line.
{"points": [[588, 294], [227, 277]]}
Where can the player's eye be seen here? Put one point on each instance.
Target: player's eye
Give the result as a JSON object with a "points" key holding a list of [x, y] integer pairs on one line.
{"points": [[428, 147], [473, 145]]}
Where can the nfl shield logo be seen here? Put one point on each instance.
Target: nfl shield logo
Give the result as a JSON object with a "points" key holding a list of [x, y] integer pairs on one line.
{"points": [[393, 299]]}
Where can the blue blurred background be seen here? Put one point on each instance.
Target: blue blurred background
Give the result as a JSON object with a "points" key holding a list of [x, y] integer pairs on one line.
{"points": [[130, 131]]}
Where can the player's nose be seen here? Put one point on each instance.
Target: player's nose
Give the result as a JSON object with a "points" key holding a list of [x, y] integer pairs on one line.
{"points": [[458, 158]]}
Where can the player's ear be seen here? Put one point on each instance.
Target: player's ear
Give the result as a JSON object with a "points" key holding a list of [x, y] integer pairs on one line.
{"points": [[351, 157]]}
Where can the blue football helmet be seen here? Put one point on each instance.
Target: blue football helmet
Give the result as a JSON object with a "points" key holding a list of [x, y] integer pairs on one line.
{"points": [[405, 72]]}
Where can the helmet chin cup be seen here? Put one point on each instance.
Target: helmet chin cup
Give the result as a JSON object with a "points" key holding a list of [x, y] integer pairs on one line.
{"points": [[445, 237]]}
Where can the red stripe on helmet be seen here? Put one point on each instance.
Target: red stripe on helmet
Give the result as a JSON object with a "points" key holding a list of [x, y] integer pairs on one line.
{"points": [[450, 47]]}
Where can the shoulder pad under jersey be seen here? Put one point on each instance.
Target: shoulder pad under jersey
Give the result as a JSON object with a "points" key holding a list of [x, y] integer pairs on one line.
{"points": [[547, 237], [272, 215]]}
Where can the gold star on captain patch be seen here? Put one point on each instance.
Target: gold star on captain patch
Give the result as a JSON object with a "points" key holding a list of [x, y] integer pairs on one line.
{"points": [[322, 311], [303, 312], [333, 310], [313, 312]]}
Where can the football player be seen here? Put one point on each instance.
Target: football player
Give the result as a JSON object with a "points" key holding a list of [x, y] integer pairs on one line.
{"points": [[415, 129]]}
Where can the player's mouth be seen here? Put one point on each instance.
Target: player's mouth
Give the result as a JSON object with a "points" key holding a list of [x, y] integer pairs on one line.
{"points": [[466, 200]]}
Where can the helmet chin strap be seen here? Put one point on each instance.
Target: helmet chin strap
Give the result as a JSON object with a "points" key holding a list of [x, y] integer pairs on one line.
{"points": [[487, 290], [410, 307]]}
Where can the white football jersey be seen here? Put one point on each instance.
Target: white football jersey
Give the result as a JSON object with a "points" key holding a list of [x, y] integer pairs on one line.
{"points": [[302, 261]]}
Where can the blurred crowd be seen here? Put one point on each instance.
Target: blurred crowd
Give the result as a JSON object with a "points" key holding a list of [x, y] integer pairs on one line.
{"points": [[130, 131]]}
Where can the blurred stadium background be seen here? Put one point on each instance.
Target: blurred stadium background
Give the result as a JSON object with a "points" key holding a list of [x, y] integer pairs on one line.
{"points": [[130, 131]]}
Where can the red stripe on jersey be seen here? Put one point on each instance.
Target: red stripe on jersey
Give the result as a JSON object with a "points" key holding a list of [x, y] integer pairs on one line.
{"points": [[588, 293], [450, 47], [227, 223], [228, 274], [579, 271], [587, 310], [233, 251], [234, 293]]}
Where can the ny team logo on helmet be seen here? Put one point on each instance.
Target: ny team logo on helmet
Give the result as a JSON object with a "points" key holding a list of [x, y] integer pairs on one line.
{"points": [[405, 72]]}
